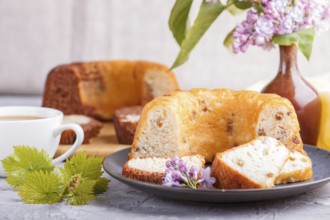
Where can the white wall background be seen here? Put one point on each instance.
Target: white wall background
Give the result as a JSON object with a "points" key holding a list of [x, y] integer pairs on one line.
{"points": [[36, 35]]}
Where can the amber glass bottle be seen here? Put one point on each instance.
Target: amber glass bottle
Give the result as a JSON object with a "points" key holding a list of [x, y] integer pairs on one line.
{"points": [[290, 84]]}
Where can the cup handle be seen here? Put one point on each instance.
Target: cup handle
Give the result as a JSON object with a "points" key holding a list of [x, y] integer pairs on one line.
{"points": [[79, 139]]}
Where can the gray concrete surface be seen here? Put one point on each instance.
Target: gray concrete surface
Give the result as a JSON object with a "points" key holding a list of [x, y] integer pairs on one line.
{"points": [[123, 202]]}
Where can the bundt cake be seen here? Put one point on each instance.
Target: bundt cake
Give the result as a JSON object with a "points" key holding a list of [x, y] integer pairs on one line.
{"points": [[206, 122]]}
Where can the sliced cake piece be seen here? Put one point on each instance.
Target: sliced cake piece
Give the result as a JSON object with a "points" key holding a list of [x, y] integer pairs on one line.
{"points": [[152, 169], [297, 168], [125, 121], [90, 126], [253, 165]]}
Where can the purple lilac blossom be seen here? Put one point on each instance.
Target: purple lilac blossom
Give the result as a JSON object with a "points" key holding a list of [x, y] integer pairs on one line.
{"points": [[279, 17], [193, 173], [182, 166], [206, 181], [173, 163], [169, 180], [179, 174]]}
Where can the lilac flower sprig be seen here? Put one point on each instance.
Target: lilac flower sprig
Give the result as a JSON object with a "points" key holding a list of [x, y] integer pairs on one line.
{"points": [[269, 18], [179, 174], [267, 23]]}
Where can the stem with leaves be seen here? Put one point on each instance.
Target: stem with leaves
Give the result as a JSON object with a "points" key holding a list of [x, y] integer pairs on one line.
{"points": [[188, 37]]}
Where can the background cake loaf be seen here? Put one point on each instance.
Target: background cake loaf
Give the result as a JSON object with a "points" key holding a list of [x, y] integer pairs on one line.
{"points": [[205, 122], [97, 89]]}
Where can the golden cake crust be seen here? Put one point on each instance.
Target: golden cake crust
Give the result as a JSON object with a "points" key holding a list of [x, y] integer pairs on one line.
{"points": [[228, 178], [296, 173], [205, 122], [137, 174]]}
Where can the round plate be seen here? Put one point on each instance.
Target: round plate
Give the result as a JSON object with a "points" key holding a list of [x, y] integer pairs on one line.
{"points": [[113, 165]]}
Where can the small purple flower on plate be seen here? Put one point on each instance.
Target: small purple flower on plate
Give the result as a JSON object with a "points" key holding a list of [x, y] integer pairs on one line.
{"points": [[206, 180], [178, 173]]}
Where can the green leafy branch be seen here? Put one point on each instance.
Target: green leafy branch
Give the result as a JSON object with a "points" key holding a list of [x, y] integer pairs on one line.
{"points": [[187, 37], [33, 176]]}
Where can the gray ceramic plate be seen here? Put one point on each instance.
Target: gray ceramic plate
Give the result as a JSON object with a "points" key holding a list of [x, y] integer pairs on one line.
{"points": [[321, 162]]}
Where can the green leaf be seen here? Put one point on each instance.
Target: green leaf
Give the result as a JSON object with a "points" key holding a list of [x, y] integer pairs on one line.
{"points": [[83, 193], [233, 10], [305, 43], [88, 167], [41, 187], [243, 5], [24, 160], [303, 38], [178, 21], [207, 14], [32, 173], [101, 186], [229, 40], [235, 7]]}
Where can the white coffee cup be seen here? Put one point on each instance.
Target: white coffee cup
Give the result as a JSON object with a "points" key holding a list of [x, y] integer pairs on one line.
{"points": [[42, 130]]}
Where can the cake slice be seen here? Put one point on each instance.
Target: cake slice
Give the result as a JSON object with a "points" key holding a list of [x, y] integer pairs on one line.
{"points": [[253, 165], [297, 168], [90, 126], [152, 169], [125, 121]]}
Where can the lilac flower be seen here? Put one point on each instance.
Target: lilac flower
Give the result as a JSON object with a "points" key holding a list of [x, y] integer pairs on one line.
{"points": [[179, 174], [182, 166], [169, 180], [173, 163], [193, 173], [263, 26], [206, 180], [279, 5], [252, 17], [286, 26], [268, 18], [297, 13]]}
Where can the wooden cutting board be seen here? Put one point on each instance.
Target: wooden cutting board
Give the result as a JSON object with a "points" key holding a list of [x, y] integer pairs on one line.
{"points": [[102, 145]]}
